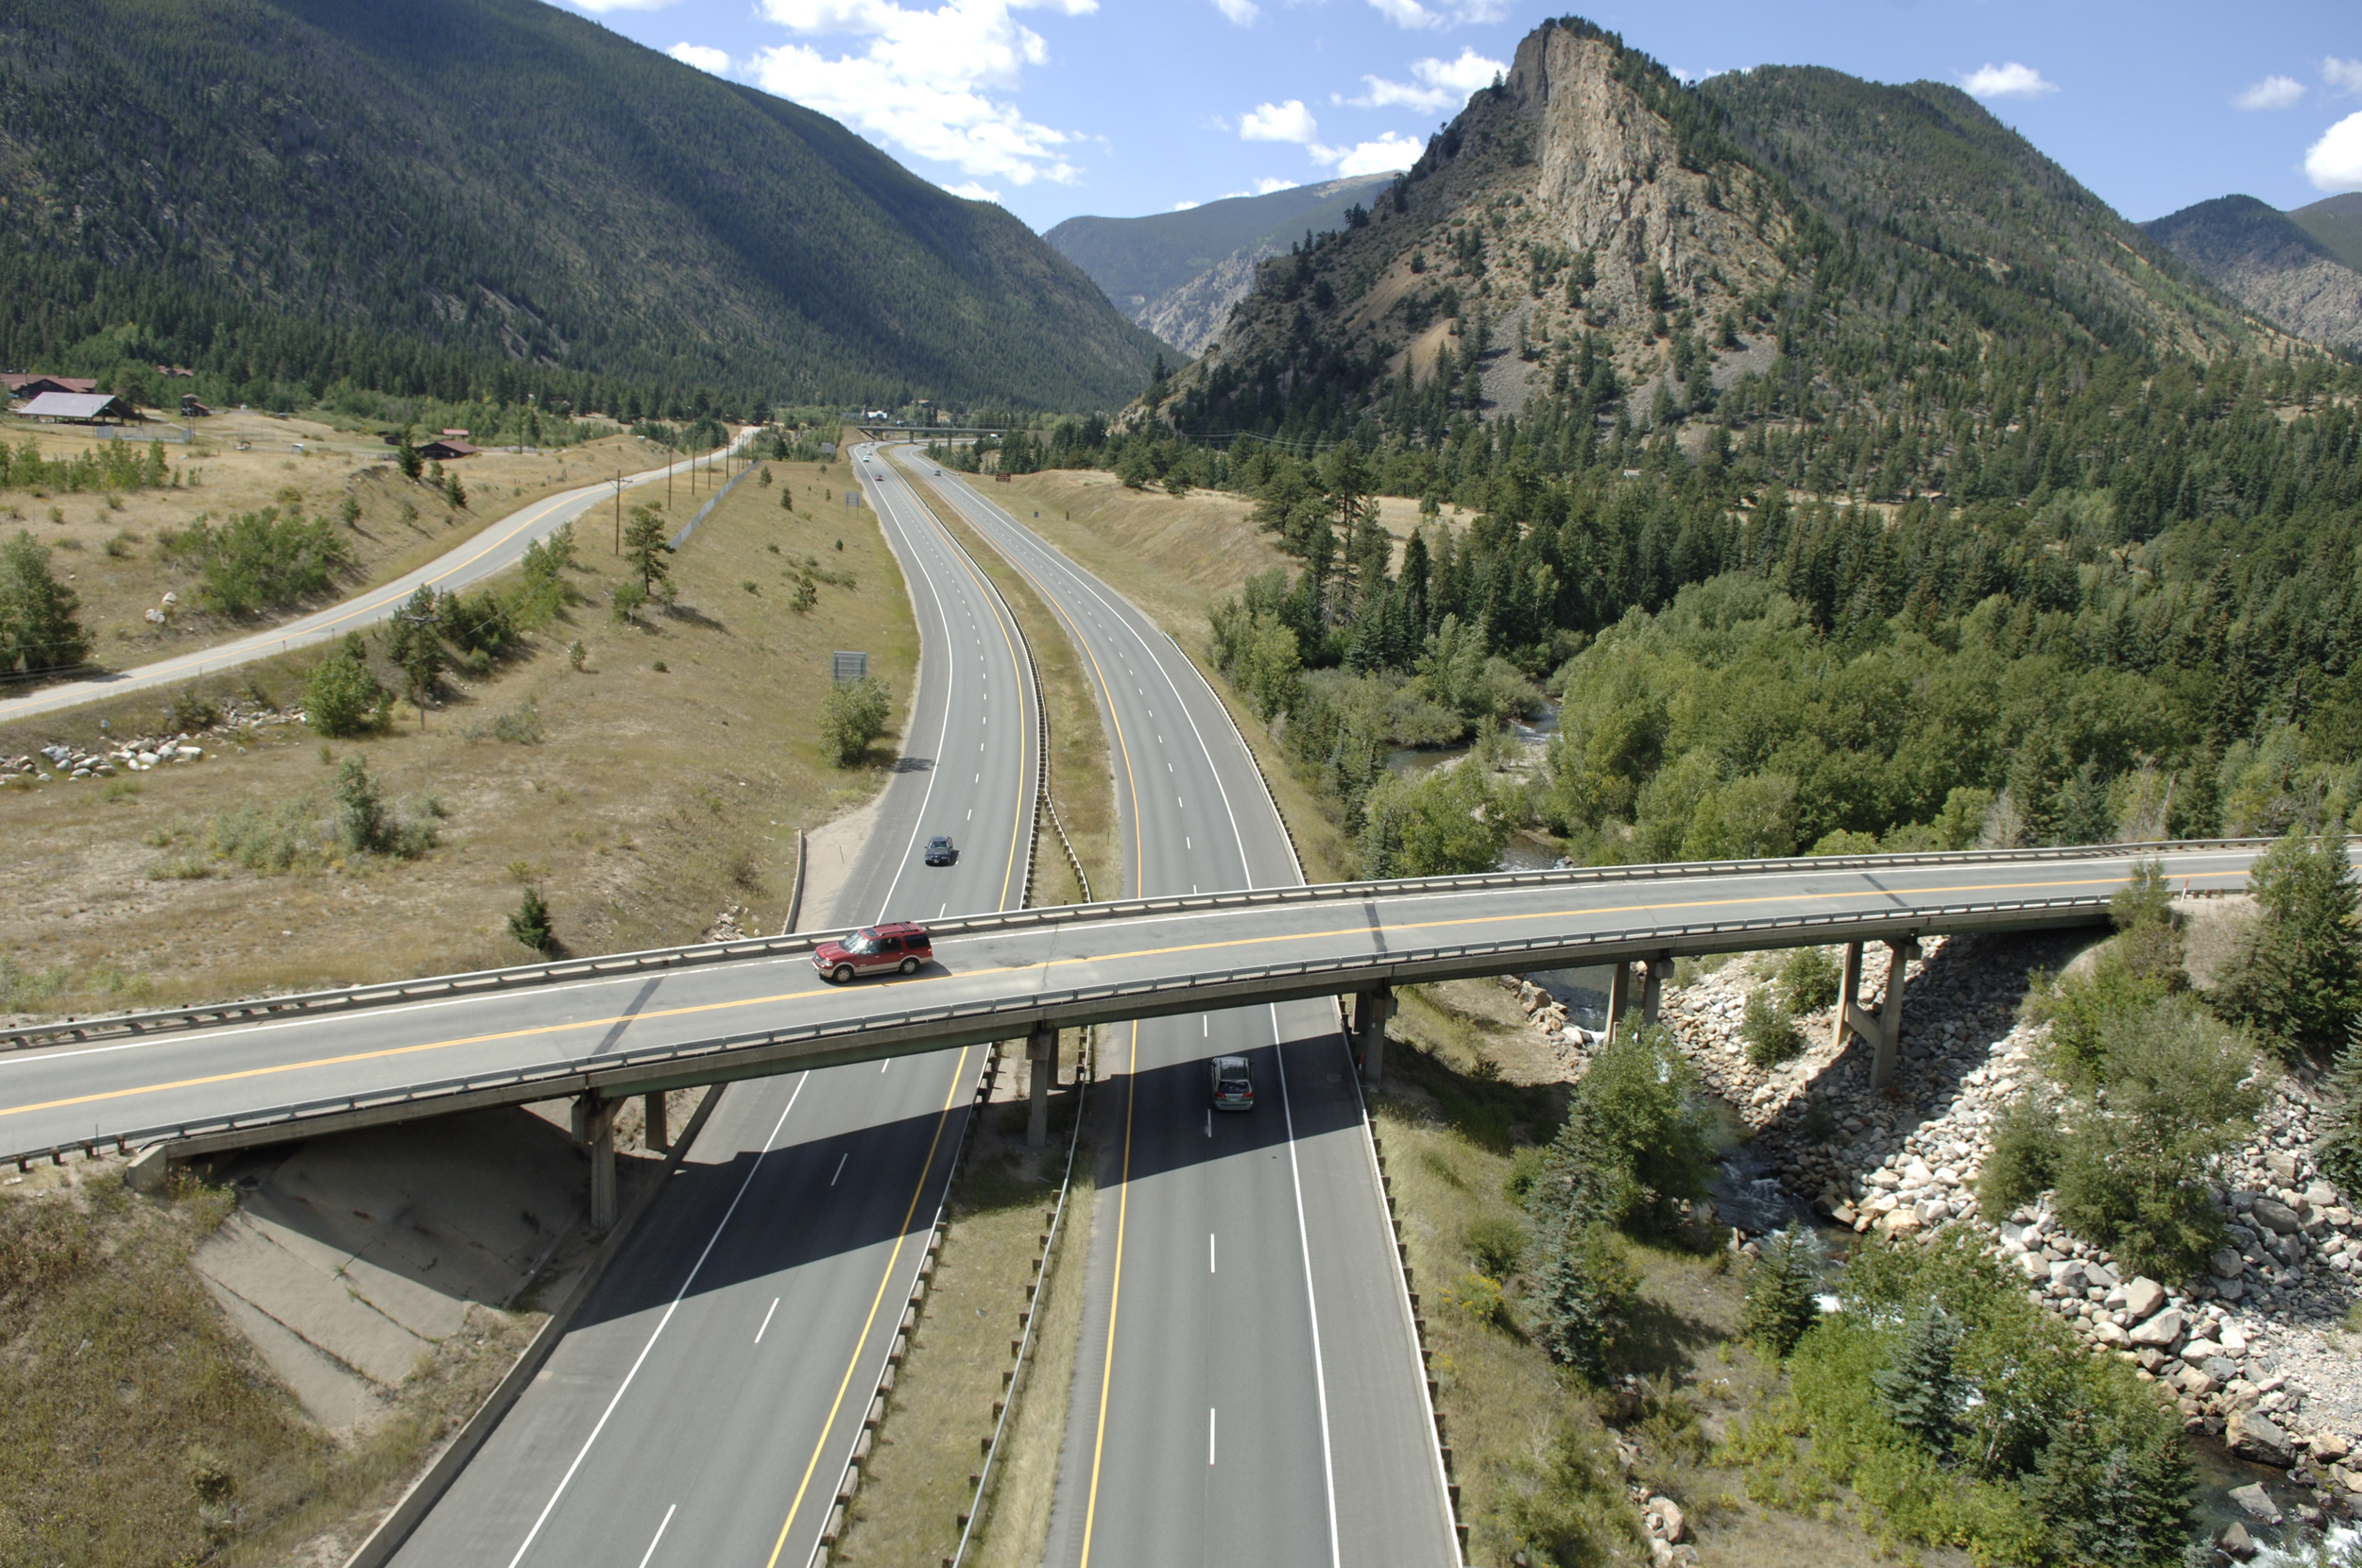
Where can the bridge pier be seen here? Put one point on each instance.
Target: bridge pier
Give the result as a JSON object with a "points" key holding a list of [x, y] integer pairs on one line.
{"points": [[1041, 1071], [659, 1137], [594, 1129], [1882, 1026], [1653, 992], [1371, 1009], [1619, 997]]}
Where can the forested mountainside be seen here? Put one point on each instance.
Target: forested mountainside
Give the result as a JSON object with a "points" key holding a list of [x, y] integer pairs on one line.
{"points": [[2264, 258], [2337, 223], [296, 191], [1178, 274], [1857, 476]]}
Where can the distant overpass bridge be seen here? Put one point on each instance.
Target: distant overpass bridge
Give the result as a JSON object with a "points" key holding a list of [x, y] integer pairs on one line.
{"points": [[204, 1080], [880, 432]]}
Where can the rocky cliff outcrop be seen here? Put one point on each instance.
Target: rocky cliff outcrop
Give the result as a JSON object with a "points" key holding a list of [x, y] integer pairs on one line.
{"points": [[2263, 259]]}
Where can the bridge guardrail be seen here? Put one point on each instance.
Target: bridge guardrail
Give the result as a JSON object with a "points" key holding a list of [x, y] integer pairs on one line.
{"points": [[725, 1057], [561, 971]]}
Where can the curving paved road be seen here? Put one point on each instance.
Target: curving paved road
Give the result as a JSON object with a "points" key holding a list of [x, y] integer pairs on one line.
{"points": [[706, 1402], [1249, 1386], [492, 550]]}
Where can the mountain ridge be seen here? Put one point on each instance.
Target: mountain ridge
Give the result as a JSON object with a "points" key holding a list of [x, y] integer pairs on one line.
{"points": [[2270, 263], [510, 180]]}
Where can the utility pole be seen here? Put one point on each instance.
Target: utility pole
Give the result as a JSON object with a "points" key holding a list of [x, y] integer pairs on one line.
{"points": [[619, 512]]}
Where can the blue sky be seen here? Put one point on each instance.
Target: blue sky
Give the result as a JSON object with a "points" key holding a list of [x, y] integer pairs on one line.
{"points": [[1055, 108]]}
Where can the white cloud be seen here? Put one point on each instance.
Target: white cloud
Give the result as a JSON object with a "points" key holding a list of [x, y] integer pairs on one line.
{"points": [[974, 192], [2343, 75], [1241, 12], [2006, 81], [2272, 92], [926, 80], [1287, 121], [1269, 184], [1410, 13], [1390, 151], [2335, 161], [1443, 84], [718, 61]]}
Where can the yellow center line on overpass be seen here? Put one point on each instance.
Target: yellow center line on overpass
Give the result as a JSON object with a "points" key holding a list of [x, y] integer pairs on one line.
{"points": [[390, 1052]]}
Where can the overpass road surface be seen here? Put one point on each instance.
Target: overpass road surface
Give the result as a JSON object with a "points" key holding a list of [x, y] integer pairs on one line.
{"points": [[490, 551], [1248, 1387], [708, 1400], [996, 976]]}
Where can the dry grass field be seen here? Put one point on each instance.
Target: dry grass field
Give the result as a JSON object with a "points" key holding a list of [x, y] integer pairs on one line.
{"points": [[644, 792], [107, 546]]}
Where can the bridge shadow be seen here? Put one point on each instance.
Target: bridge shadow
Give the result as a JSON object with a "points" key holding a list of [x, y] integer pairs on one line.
{"points": [[807, 1203]]}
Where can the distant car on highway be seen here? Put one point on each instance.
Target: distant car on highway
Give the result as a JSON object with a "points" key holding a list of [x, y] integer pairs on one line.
{"points": [[1234, 1083], [941, 851], [873, 950]]}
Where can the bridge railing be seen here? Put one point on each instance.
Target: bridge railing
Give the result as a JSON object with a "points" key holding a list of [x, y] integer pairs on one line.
{"points": [[563, 971], [910, 1030]]}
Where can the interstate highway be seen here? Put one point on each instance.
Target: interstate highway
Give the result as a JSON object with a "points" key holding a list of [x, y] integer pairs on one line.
{"points": [[707, 1400], [1248, 1386]]}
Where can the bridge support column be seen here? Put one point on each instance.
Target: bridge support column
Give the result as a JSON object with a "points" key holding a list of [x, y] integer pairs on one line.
{"points": [[1890, 1017], [1371, 1009], [1652, 990], [1619, 997], [659, 1137], [594, 1126], [1041, 1071]]}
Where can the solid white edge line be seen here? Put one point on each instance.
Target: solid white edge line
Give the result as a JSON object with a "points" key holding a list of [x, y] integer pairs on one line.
{"points": [[657, 1333], [1311, 1302], [649, 1556], [951, 686]]}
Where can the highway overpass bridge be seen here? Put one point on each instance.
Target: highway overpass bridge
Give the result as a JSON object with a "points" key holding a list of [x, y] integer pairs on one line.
{"points": [[203, 1080]]}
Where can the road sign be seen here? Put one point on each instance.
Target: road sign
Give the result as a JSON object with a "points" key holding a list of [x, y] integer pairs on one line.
{"points": [[844, 666]]}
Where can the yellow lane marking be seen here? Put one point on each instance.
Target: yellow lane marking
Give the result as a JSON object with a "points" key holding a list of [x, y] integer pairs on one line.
{"points": [[1115, 1293], [958, 1075], [1052, 964]]}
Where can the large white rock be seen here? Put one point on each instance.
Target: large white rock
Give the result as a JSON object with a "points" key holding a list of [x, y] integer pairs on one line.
{"points": [[2160, 1331]]}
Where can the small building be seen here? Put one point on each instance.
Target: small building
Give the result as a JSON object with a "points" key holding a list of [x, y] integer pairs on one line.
{"points": [[80, 408], [192, 409], [443, 449], [22, 384], [178, 372]]}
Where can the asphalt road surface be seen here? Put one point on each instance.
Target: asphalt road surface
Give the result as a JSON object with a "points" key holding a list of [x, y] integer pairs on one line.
{"points": [[1126, 966], [1248, 1386], [490, 551], [706, 1404]]}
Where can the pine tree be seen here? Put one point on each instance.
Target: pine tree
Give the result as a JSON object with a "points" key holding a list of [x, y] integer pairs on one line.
{"points": [[2340, 1152], [1919, 1389], [1584, 1302], [645, 547], [1781, 1291], [530, 925]]}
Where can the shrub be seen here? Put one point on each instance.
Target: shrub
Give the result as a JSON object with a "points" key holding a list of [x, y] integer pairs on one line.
{"points": [[40, 625], [341, 697], [2340, 1153], [1568, 1507], [2134, 1177], [265, 839], [1444, 824], [2299, 978], [2025, 1157], [530, 925], [852, 715], [362, 823], [2139, 966], [1479, 1297], [1808, 979], [1950, 1403], [1771, 1035], [625, 608], [1636, 1142], [263, 560], [1782, 1290], [1495, 1241]]}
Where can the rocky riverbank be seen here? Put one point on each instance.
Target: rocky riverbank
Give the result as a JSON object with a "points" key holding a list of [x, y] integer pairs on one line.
{"points": [[2255, 1352]]}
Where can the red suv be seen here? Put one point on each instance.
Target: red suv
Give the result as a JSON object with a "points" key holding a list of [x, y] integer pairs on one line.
{"points": [[874, 949]]}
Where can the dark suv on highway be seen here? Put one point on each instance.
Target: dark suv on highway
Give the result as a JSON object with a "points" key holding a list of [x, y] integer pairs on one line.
{"points": [[873, 950]]}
